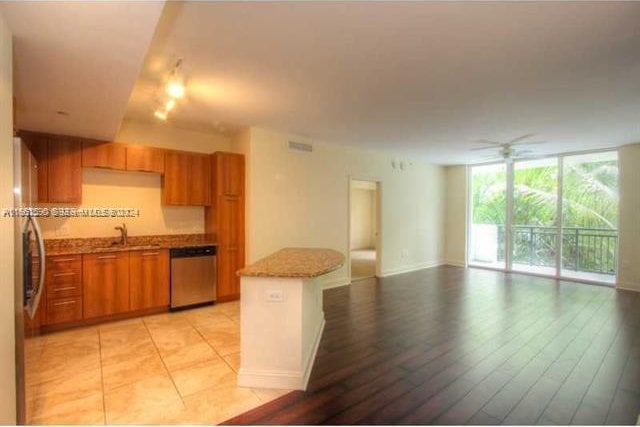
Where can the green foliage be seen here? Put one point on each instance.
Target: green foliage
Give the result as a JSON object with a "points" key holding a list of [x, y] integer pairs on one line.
{"points": [[590, 192]]}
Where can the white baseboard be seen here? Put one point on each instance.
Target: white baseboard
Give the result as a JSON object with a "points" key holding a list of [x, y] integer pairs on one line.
{"points": [[456, 263], [628, 287], [289, 380], [312, 355], [410, 268], [335, 283]]}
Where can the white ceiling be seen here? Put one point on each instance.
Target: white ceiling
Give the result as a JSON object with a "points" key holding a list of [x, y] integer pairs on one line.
{"points": [[82, 58], [417, 78], [424, 79]]}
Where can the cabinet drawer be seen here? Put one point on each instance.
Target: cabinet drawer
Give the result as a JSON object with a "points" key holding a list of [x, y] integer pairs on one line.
{"points": [[64, 284], [64, 263], [62, 310]]}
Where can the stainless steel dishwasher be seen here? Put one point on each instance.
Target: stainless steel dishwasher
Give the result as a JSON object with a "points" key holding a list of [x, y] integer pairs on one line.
{"points": [[193, 276]]}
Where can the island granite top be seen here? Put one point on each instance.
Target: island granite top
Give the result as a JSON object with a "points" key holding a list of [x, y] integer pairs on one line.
{"points": [[296, 262]]}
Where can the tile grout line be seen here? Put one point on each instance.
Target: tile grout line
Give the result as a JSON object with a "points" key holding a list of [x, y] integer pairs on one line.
{"points": [[163, 363], [209, 344], [221, 356], [104, 405]]}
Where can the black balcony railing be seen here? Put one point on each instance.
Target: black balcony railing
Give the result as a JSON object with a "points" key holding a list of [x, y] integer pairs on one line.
{"points": [[593, 250]]}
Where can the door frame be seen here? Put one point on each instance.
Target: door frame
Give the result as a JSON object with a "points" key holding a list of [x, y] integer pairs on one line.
{"points": [[379, 236]]}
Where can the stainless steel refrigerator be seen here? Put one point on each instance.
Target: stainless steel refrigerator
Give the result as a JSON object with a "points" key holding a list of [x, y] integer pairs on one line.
{"points": [[29, 264]]}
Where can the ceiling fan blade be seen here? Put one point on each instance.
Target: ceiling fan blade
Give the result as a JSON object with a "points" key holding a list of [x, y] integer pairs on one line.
{"points": [[520, 138], [488, 141], [482, 148], [529, 143]]}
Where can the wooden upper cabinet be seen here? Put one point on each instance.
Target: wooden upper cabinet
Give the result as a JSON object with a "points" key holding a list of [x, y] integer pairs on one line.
{"points": [[199, 179], [39, 146], [108, 155], [64, 170], [149, 279], [105, 284], [145, 159], [229, 174], [187, 179], [59, 164], [175, 185]]}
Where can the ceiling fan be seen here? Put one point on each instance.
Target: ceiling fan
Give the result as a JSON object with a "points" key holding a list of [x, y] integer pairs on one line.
{"points": [[508, 150]]}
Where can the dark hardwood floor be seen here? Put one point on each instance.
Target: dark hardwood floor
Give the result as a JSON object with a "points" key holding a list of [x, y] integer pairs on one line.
{"points": [[466, 346]]}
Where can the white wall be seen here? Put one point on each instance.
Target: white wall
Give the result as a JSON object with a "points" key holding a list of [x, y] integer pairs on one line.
{"points": [[362, 227], [629, 222], [456, 215], [301, 199], [7, 325], [106, 188]]}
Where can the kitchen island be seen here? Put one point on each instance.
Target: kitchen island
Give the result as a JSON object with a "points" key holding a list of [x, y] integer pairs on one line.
{"points": [[282, 317]]}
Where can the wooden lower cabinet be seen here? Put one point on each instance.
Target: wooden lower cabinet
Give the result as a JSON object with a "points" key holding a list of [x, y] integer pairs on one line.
{"points": [[105, 283], [62, 296], [149, 279], [228, 287]]}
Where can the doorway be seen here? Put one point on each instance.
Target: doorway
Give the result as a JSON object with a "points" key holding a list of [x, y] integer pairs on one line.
{"points": [[363, 229]]}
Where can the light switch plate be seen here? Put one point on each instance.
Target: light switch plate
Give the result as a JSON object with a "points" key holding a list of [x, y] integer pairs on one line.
{"points": [[275, 296]]}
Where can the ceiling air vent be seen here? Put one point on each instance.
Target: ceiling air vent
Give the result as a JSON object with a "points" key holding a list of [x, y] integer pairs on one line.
{"points": [[300, 146]]}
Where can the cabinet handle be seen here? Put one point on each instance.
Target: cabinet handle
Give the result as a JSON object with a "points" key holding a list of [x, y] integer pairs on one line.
{"points": [[106, 257], [150, 253], [72, 273], [56, 304], [65, 288]]}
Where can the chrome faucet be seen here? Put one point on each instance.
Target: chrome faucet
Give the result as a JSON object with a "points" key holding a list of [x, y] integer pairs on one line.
{"points": [[123, 233]]}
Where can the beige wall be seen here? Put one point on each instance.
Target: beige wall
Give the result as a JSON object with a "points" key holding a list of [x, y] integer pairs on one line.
{"points": [[629, 223], [301, 199], [362, 227], [456, 215], [162, 134], [7, 325], [105, 188]]}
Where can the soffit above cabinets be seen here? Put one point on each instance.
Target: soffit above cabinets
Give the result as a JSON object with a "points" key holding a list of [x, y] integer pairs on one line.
{"points": [[75, 63]]}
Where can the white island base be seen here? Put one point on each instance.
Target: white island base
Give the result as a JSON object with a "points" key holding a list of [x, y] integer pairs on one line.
{"points": [[281, 326]]}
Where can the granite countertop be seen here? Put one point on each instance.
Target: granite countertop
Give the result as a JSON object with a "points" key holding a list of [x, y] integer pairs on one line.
{"points": [[296, 262], [94, 245]]}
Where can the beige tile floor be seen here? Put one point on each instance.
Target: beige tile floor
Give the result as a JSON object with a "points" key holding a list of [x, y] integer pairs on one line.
{"points": [[173, 368]]}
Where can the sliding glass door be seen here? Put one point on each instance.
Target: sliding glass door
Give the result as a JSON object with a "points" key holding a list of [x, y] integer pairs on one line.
{"points": [[590, 217], [534, 232], [554, 216], [488, 216]]}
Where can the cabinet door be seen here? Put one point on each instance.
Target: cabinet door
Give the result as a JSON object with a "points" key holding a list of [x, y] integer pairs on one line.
{"points": [[39, 147], [145, 159], [231, 245], [64, 165], [105, 282], [229, 174], [109, 155], [199, 179], [149, 279], [228, 287], [175, 186]]}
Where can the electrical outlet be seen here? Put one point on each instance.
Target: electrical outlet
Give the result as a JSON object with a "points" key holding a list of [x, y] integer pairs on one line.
{"points": [[404, 253], [275, 296], [62, 231]]}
